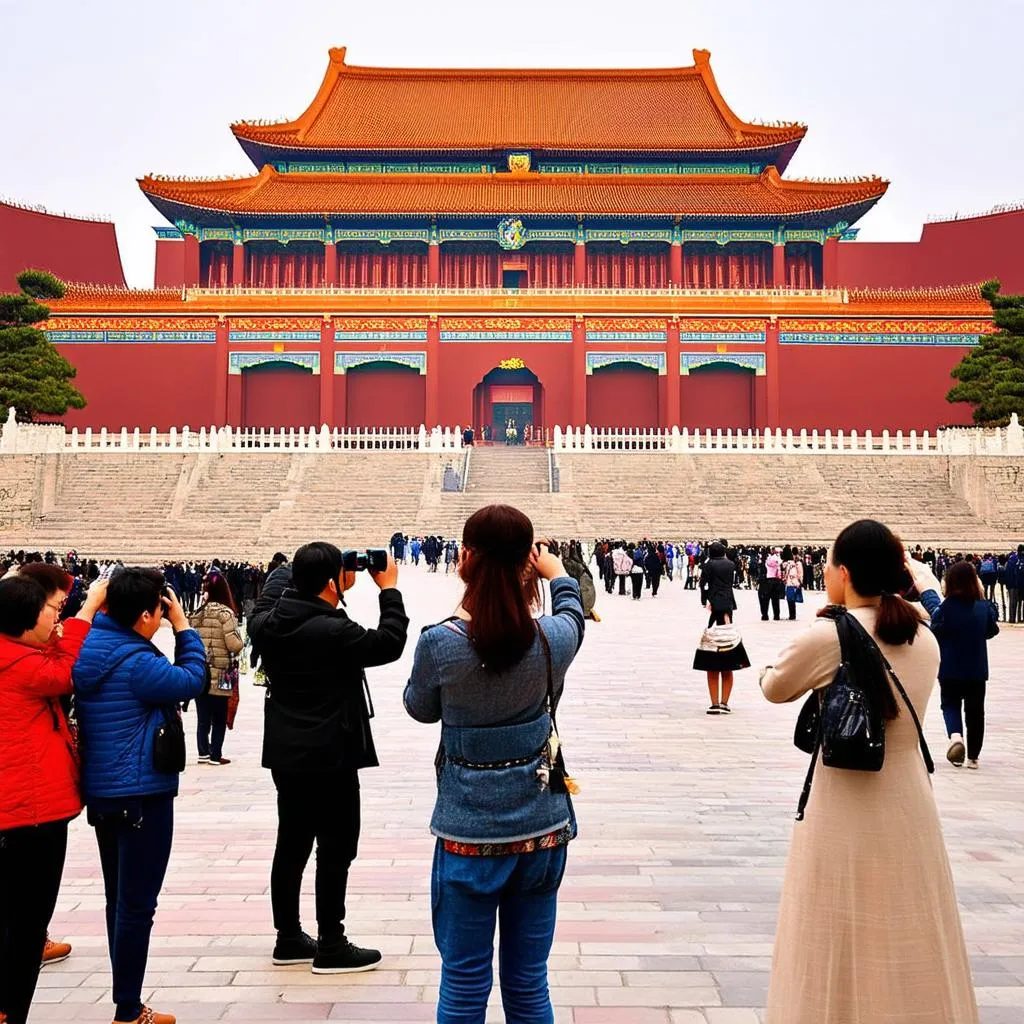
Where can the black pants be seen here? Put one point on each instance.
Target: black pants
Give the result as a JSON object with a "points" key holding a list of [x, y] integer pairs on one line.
{"points": [[768, 592], [622, 584], [324, 807], [970, 695], [1014, 601], [211, 724], [134, 839], [655, 583], [637, 579], [31, 865]]}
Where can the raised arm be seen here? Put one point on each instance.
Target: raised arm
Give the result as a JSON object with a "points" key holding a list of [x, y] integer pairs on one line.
{"points": [[809, 662]]}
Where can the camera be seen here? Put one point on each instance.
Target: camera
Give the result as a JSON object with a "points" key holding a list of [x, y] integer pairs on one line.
{"points": [[374, 559]]}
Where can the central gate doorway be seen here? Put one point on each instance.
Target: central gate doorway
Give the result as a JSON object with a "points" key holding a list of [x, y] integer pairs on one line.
{"points": [[508, 398]]}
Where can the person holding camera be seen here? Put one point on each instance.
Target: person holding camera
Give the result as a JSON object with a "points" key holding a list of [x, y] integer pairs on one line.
{"points": [[317, 737], [127, 695], [493, 676], [38, 772]]}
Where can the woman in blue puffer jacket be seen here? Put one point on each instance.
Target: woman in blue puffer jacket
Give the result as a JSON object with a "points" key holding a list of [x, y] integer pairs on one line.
{"points": [[124, 689]]}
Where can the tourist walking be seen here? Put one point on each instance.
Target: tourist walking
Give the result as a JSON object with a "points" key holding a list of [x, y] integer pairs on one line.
{"points": [[721, 651], [39, 792], [216, 622], [655, 568], [636, 571], [316, 737], [493, 676], [963, 624], [622, 563], [869, 930], [126, 694], [1014, 581]]}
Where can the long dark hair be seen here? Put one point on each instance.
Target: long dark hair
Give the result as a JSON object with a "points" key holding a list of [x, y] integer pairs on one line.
{"points": [[217, 589], [873, 556], [962, 581], [500, 590]]}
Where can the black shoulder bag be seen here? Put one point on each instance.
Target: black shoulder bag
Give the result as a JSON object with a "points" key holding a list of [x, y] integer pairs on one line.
{"points": [[169, 742], [839, 721]]}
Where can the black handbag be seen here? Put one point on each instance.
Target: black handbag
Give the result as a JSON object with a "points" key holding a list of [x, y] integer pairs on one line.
{"points": [[169, 742], [839, 721]]}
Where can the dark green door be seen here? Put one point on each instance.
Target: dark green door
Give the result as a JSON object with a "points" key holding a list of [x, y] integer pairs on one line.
{"points": [[520, 413]]}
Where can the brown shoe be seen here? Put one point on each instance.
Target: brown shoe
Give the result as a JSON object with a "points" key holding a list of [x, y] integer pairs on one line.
{"points": [[55, 952], [149, 1016]]}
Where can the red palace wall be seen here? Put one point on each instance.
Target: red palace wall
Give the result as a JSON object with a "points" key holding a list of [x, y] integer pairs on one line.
{"points": [[143, 385], [387, 397], [624, 396], [74, 250], [718, 397], [949, 252], [169, 271], [279, 395], [858, 387]]}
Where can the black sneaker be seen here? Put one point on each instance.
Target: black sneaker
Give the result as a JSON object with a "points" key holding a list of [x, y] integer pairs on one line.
{"points": [[342, 957], [297, 949], [724, 709], [715, 709]]}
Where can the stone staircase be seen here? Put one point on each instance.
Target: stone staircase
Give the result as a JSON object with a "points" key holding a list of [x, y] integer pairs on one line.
{"points": [[150, 507]]}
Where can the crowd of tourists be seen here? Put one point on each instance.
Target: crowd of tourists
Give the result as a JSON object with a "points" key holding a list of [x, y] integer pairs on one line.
{"points": [[91, 712]]}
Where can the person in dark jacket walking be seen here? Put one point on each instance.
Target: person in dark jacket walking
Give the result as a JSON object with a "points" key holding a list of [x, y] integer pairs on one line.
{"points": [[654, 567], [1014, 571], [963, 624], [316, 738], [125, 690]]}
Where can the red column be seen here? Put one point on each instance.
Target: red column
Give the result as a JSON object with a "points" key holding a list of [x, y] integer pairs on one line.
{"points": [[238, 265], [433, 271], [579, 266], [433, 398], [672, 413], [220, 380], [675, 265], [579, 373], [779, 266], [772, 376], [830, 264], [330, 264], [326, 373], [191, 260]]}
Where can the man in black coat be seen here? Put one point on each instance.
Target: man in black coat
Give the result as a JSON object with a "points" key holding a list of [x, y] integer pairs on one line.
{"points": [[316, 737]]}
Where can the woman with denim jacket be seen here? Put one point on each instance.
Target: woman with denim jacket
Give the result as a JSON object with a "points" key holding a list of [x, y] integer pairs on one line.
{"points": [[493, 676]]}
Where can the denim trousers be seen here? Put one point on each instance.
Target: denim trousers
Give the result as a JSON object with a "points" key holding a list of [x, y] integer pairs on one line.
{"points": [[470, 894], [134, 838], [31, 864], [211, 724]]}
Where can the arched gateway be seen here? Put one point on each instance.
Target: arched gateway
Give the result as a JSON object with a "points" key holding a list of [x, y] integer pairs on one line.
{"points": [[509, 395]]}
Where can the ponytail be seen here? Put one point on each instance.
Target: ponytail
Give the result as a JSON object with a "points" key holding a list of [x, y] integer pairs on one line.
{"points": [[898, 620]]}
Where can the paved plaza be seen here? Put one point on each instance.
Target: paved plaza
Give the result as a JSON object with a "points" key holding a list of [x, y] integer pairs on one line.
{"points": [[668, 908]]}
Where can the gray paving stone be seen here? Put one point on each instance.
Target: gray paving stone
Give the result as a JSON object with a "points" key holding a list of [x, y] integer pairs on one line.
{"points": [[668, 907]]}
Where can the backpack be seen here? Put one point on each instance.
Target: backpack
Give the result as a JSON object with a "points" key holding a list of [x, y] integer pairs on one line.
{"points": [[839, 721], [988, 566]]}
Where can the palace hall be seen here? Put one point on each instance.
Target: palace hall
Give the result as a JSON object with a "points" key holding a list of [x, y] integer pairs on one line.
{"points": [[542, 247]]}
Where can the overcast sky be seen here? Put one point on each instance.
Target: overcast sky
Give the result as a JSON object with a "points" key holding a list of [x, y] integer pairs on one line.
{"points": [[927, 93]]}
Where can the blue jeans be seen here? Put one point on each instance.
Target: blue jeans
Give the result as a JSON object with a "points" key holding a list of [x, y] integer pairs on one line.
{"points": [[468, 895], [134, 839]]}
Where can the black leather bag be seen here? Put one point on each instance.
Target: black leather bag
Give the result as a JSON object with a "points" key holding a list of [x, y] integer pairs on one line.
{"points": [[169, 742], [839, 722]]}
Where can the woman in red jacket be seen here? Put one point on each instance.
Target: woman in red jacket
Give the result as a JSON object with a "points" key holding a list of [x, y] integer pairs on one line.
{"points": [[38, 774]]}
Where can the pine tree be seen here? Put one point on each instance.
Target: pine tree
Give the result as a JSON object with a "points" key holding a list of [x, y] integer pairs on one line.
{"points": [[991, 376], [34, 376]]}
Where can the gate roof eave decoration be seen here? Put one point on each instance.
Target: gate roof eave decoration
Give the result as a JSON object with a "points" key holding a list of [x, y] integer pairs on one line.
{"points": [[678, 110], [739, 196]]}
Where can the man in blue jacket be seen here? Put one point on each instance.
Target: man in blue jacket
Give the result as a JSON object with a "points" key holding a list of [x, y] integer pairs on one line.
{"points": [[126, 691]]}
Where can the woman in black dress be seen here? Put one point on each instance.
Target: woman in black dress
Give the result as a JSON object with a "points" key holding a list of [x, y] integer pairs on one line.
{"points": [[721, 650]]}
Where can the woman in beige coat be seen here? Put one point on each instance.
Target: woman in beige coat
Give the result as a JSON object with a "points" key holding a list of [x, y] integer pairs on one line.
{"points": [[216, 621], [869, 931]]}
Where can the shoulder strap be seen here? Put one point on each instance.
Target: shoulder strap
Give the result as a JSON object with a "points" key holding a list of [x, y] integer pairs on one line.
{"points": [[925, 752]]}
